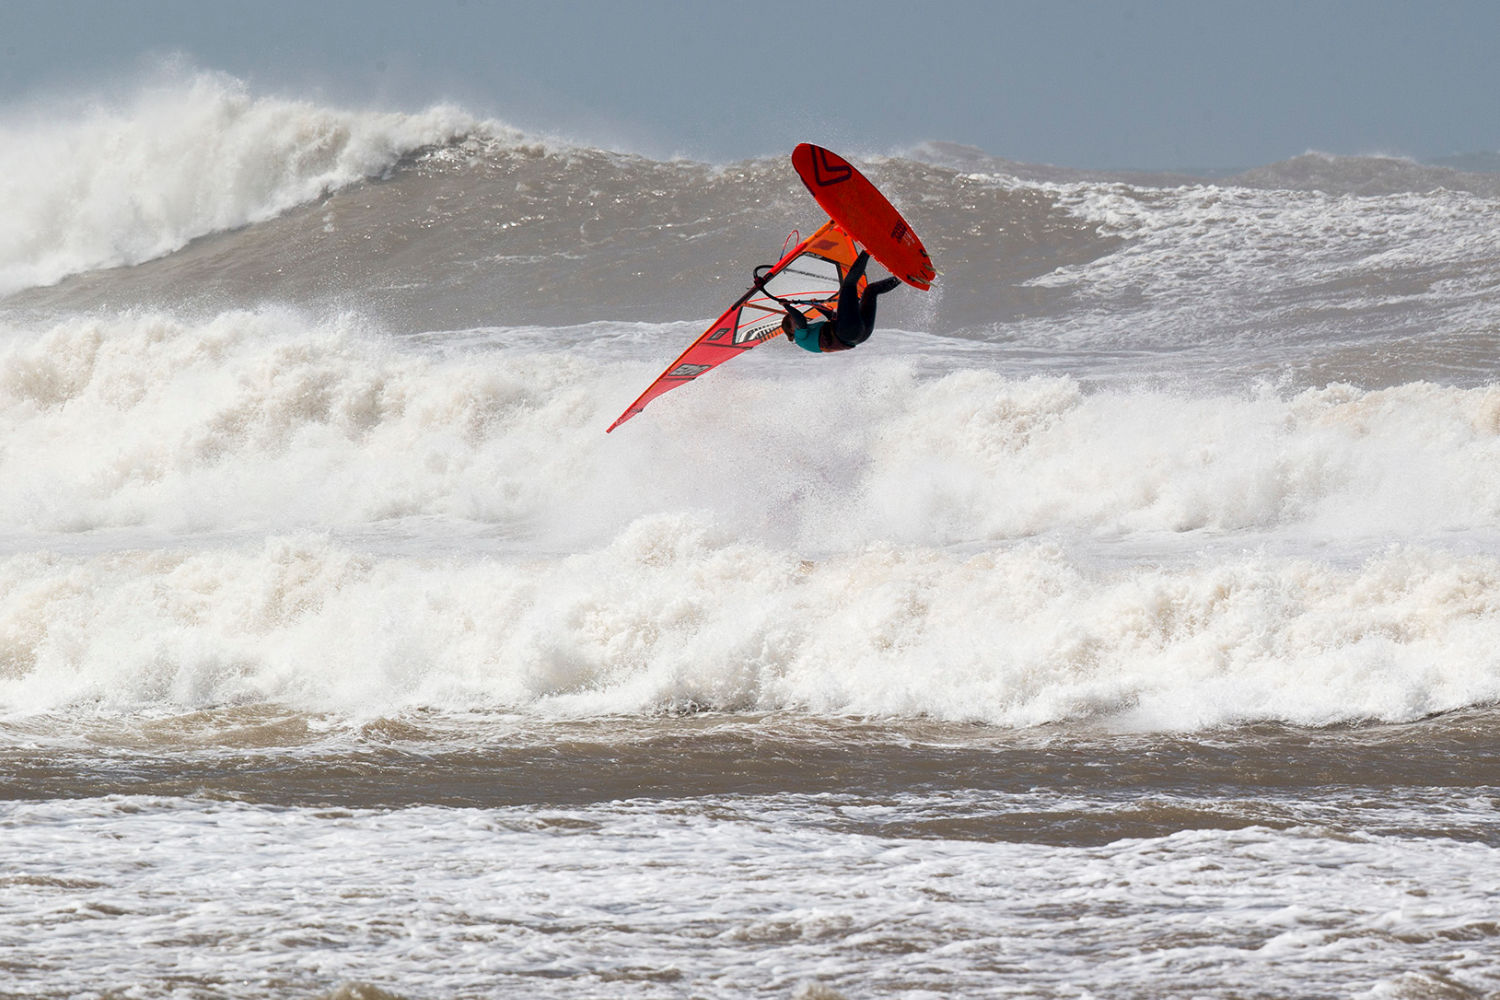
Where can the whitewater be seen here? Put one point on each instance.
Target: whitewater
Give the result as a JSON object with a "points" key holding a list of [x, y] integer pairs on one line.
{"points": [[1121, 620]]}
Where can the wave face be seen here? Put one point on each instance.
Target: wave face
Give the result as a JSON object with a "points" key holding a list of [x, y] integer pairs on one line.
{"points": [[1158, 451], [130, 181]]}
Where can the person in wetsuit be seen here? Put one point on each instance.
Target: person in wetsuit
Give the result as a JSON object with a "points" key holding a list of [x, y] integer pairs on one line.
{"points": [[845, 327]]}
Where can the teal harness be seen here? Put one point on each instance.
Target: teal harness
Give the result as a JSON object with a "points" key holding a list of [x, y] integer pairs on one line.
{"points": [[806, 337]]}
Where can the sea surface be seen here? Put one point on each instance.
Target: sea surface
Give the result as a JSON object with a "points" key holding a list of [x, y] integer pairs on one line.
{"points": [[1121, 621]]}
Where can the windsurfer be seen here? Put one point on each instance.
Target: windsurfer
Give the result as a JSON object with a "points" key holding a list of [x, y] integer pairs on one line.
{"points": [[845, 327]]}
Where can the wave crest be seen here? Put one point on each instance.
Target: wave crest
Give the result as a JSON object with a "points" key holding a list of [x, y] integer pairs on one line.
{"points": [[121, 184]]}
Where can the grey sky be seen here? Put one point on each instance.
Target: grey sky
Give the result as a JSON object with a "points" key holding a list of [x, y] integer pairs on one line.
{"points": [[1163, 84]]}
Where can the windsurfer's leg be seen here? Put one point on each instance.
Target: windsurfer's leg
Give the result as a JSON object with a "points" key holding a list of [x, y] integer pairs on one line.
{"points": [[854, 326], [846, 322], [873, 290], [856, 270]]}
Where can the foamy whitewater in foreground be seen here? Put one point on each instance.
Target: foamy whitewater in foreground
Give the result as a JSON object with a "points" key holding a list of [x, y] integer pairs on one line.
{"points": [[303, 474]]}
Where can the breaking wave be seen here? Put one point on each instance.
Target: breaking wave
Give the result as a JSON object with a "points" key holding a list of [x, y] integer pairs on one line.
{"points": [[128, 181]]}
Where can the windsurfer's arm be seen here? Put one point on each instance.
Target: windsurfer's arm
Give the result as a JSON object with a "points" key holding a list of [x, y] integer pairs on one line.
{"points": [[759, 280]]}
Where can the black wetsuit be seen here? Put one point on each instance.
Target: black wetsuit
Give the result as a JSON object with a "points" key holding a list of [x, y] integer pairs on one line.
{"points": [[848, 326]]}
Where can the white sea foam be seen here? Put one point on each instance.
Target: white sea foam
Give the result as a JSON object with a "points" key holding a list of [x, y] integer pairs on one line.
{"points": [[272, 421], [123, 181], [670, 616], [1260, 269], [766, 896], [264, 419], [262, 507]]}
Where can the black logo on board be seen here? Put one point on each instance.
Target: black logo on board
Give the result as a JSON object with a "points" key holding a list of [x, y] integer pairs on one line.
{"points": [[829, 169]]}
